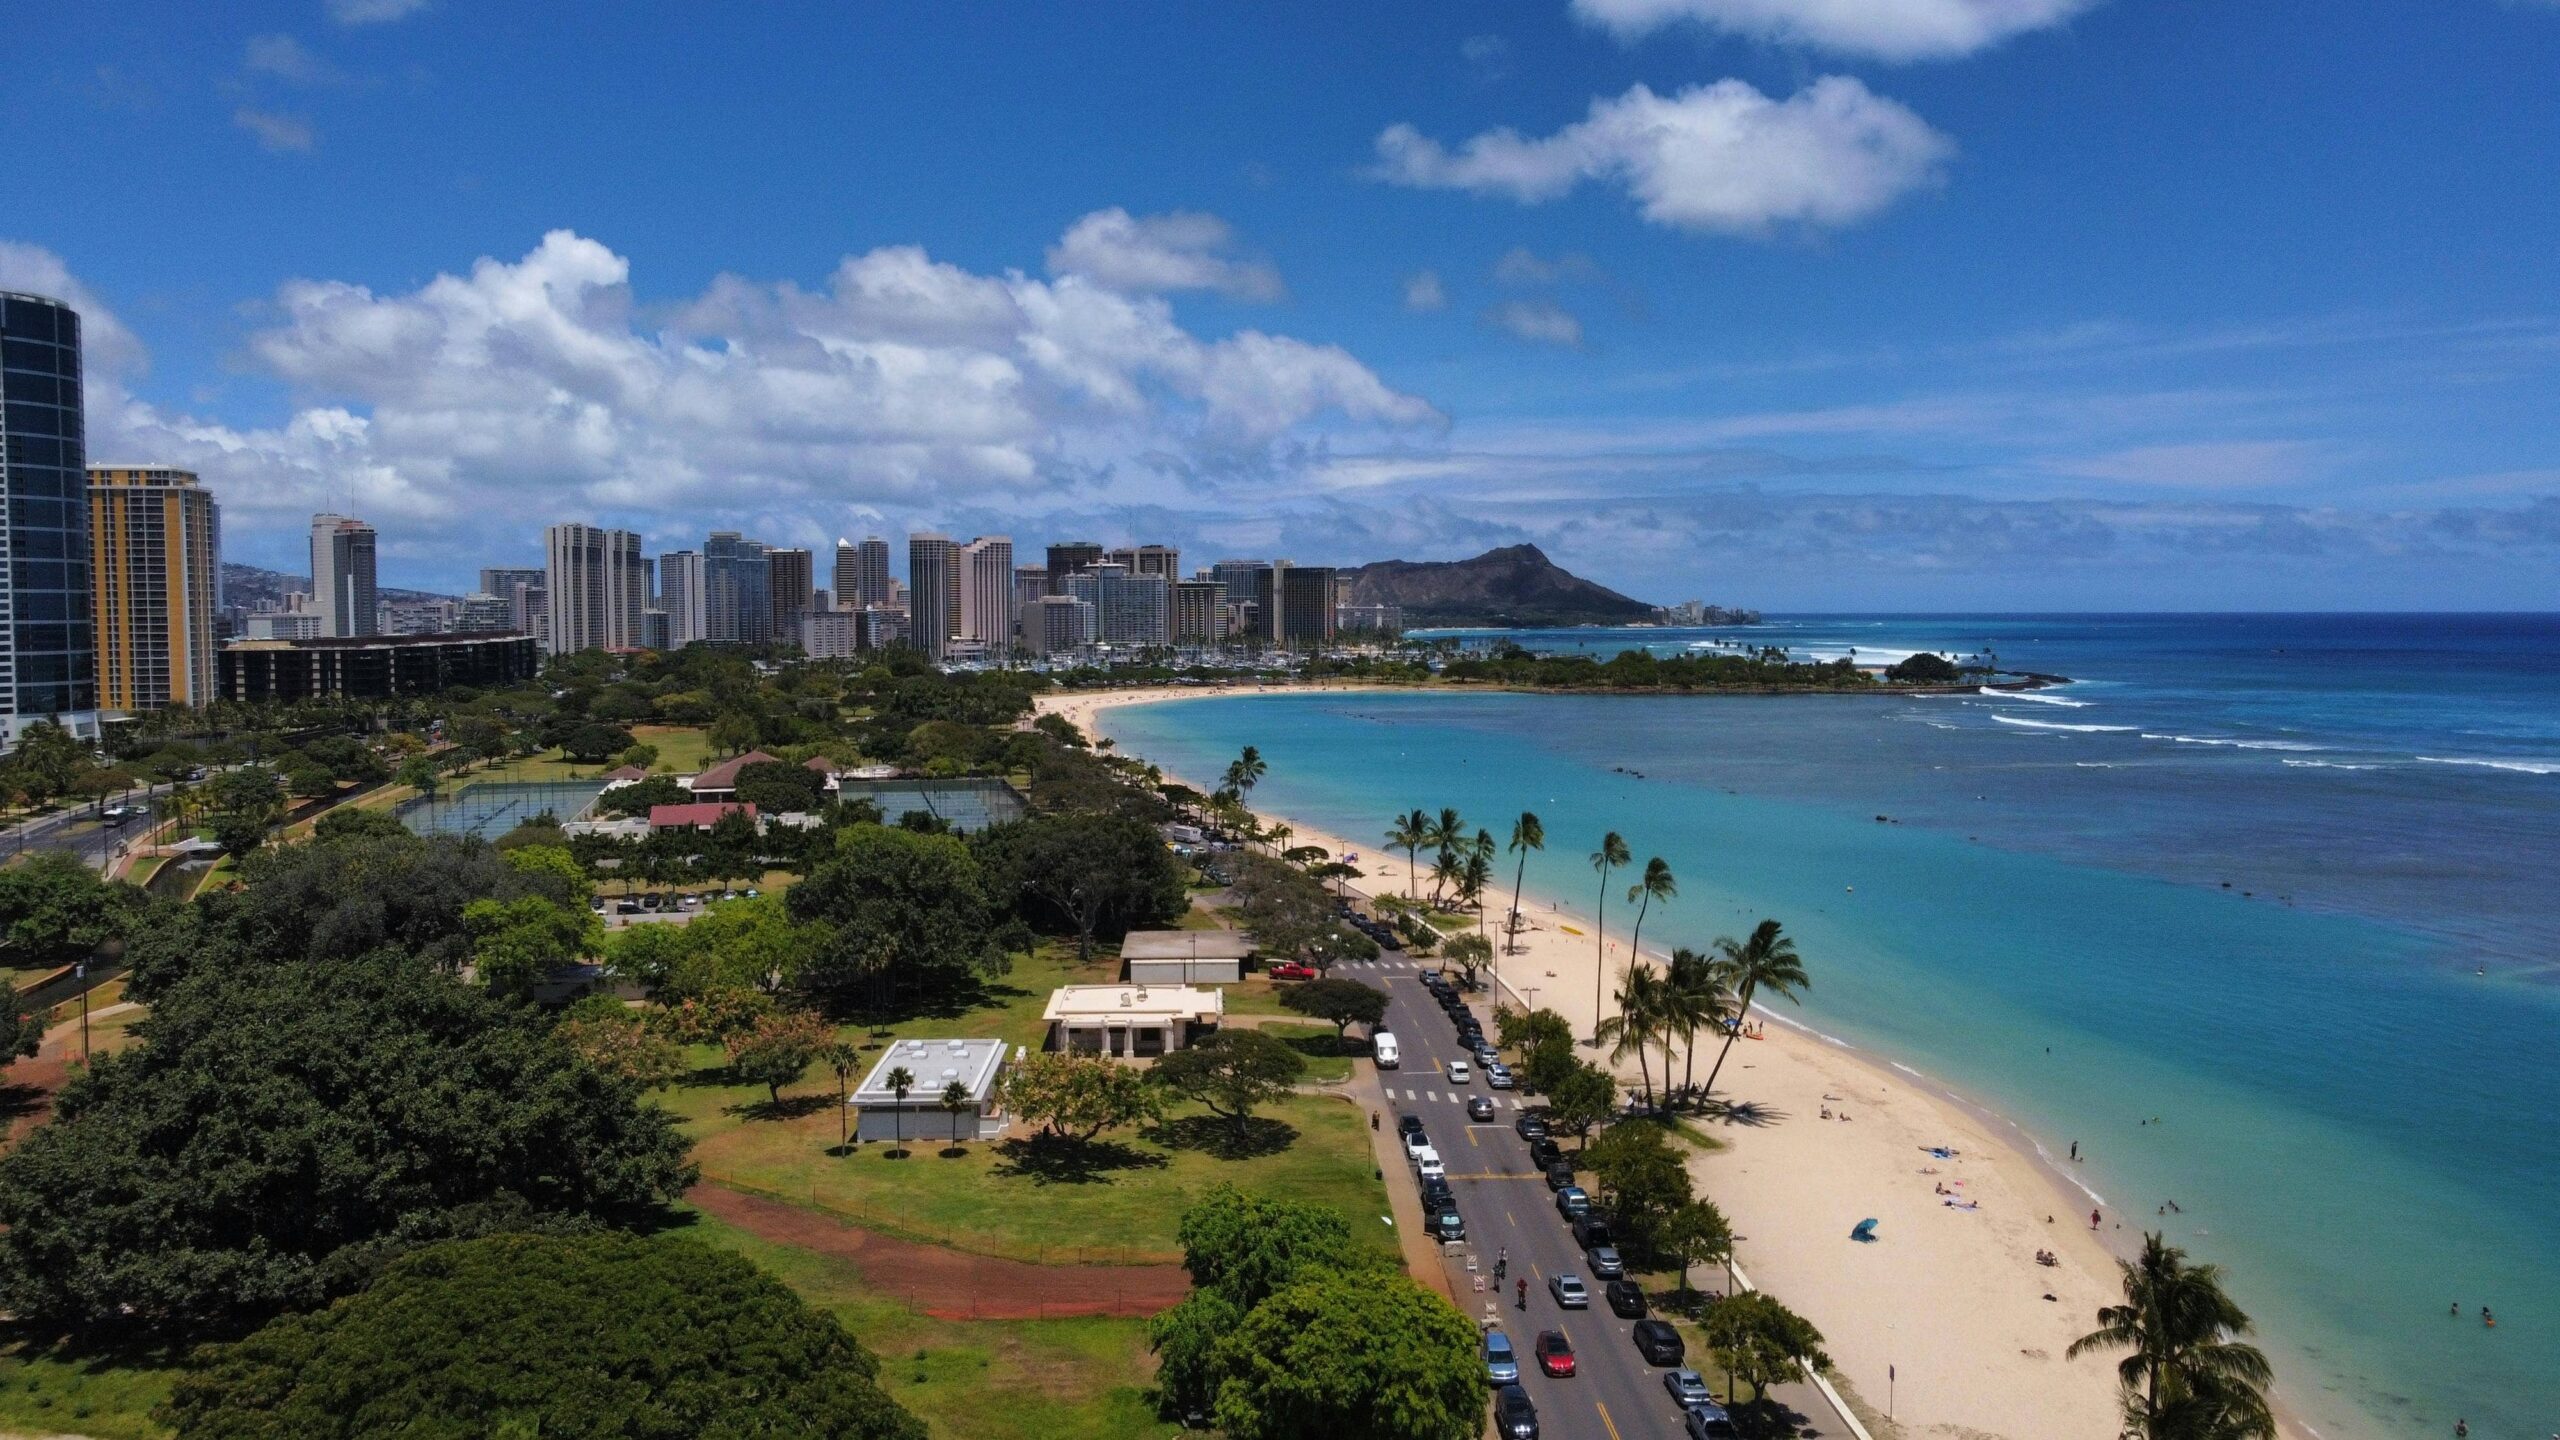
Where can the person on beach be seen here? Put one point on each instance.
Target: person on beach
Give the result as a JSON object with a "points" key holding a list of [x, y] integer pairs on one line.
{"points": [[2075, 1149], [2093, 1219]]}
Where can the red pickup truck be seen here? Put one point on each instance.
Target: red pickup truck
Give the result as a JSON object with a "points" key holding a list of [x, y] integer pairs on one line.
{"points": [[1293, 971]]}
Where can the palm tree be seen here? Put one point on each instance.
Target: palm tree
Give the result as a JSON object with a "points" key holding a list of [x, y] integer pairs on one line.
{"points": [[843, 1058], [1246, 772], [1639, 1013], [1612, 853], [1767, 960], [2188, 1376], [1695, 999], [956, 1101], [1472, 882], [1657, 884], [1407, 835], [900, 1081], [1526, 835], [1448, 835], [1447, 872]]}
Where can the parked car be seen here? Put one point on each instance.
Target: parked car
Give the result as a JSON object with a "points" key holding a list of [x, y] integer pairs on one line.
{"points": [[627, 907], [1498, 1075], [1486, 1055], [1447, 1225], [1688, 1388], [1626, 1299], [1458, 1072], [1547, 1155], [1569, 1291], [1514, 1418], [1592, 1228], [1480, 1107], [1572, 1202], [1530, 1126], [1415, 1140], [1408, 1126], [1555, 1354], [1658, 1343], [1501, 1363], [1437, 1195], [1426, 1163], [1709, 1422], [1604, 1261], [1293, 971], [1383, 1048]]}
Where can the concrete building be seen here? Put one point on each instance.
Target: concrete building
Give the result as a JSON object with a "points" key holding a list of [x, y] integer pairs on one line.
{"points": [[1241, 579], [373, 667], [1070, 556], [737, 590], [298, 620], [48, 651], [831, 634], [1128, 609], [1030, 583], [503, 580], [155, 562], [882, 628], [655, 633], [933, 585], [792, 576], [481, 613], [1057, 625], [1307, 596], [862, 573], [1199, 612], [680, 594], [1184, 957], [986, 593], [342, 574], [414, 617], [1369, 619], [597, 586], [1138, 1021], [932, 1067], [1162, 560]]}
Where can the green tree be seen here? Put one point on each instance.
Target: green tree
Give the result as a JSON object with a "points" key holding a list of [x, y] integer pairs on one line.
{"points": [[1341, 1003], [1361, 1356], [900, 909], [583, 1337], [1527, 834], [1767, 961], [1084, 873], [55, 910], [1613, 852], [48, 760], [1638, 1020], [1657, 884], [778, 1048], [1230, 1072], [956, 1102], [1924, 669], [619, 1042], [640, 756], [595, 743], [1469, 953], [778, 787], [287, 1127], [1526, 1030], [900, 1081], [1244, 1246], [1693, 999], [1408, 834], [1245, 772], [420, 773], [516, 943], [1759, 1342], [1077, 1097], [1586, 1096], [242, 806], [1695, 1234], [2187, 1374], [1640, 1177]]}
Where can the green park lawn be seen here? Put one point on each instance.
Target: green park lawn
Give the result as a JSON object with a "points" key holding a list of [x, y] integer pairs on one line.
{"points": [[1328, 1056], [104, 1397], [682, 749]]}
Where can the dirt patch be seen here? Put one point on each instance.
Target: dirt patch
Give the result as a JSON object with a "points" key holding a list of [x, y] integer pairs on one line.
{"points": [[948, 1284]]}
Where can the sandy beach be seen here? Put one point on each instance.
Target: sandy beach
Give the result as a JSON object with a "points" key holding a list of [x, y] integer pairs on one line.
{"points": [[1951, 1299]]}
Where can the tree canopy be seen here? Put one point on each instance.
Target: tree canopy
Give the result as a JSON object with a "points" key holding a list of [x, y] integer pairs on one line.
{"points": [[1230, 1072], [1340, 1003], [1084, 874], [1350, 1356], [901, 909], [55, 910], [1077, 1097], [587, 1337]]}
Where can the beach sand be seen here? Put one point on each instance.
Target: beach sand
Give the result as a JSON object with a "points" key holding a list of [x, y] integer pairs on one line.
{"points": [[1952, 1300]]}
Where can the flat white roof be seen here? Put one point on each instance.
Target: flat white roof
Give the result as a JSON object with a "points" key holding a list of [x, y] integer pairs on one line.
{"points": [[1186, 945], [934, 1064], [1142, 1004]]}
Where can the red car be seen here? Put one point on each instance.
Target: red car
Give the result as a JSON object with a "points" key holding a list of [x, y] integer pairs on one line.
{"points": [[1293, 971], [1555, 1354]]}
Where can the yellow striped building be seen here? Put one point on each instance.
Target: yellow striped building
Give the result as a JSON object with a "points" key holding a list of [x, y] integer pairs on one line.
{"points": [[155, 552]]}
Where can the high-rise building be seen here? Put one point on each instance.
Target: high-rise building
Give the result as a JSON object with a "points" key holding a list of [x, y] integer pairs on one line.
{"points": [[986, 592], [653, 630], [1199, 612], [1069, 557], [792, 576], [1055, 625], [737, 590], [1128, 609], [830, 634], [1304, 614], [862, 573], [1162, 560], [1030, 582], [502, 581], [933, 585], [342, 588], [155, 556], [48, 653], [1386, 620], [598, 585], [1240, 578], [680, 594], [482, 613]]}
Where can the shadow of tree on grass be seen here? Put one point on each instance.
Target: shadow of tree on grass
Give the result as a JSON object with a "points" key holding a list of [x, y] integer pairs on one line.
{"points": [[1259, 1136], [1057, 1160], [789, 1107]]}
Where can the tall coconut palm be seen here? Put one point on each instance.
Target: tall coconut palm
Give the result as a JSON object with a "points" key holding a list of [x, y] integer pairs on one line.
{"points": [[1473, 880], [1448, 872], [1657, 884], [1695, 999], [2188, 1376], [900, 1081], [1526, 835], [1632, 1029], [1448, 835], [1767, 961], [1612, 853], [1246, 772], [1407, 835]]}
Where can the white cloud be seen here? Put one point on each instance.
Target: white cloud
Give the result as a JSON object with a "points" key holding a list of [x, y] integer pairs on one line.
{"points": [[373, 12], [288, 59], [276, 131], [1181, 250], [1540, 322], [1720, 157], [2219, 465], [1874, 29], [1522, 266], [472, 410], [1423, 291]]}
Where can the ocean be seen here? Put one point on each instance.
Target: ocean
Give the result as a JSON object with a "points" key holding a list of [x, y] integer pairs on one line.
{"points": [[2285, 883]]}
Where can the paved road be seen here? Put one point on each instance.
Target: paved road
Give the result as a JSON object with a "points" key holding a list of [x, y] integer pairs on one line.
{"points": [[77, 832], [1615, 1395]]}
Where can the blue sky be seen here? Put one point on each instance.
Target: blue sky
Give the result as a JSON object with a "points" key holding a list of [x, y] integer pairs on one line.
{"points": [[1836, 304]]}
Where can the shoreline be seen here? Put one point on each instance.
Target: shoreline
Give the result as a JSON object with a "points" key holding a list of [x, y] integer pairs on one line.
{"points": [[1985, 1351]]}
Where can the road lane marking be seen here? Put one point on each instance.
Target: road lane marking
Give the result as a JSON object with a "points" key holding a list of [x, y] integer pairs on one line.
{"points": [[1605, 1420]]}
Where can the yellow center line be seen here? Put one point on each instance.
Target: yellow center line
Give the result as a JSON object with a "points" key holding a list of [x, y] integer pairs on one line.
{"points": [[1605, 1420]]}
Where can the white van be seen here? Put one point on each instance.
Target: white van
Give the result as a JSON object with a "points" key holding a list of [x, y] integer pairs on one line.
{"points": [[1383, 1046]]}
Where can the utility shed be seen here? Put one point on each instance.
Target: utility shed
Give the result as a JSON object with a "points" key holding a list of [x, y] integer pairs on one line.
{"points": [[1185, 957], [932, 1066]]}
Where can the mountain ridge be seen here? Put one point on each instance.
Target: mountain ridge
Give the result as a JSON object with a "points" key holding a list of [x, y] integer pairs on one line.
{"points": [[1510, 585]]}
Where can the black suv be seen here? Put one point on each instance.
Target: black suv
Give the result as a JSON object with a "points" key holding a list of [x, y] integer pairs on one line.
{"points": [[1626, 1300], [1408, 1125], [1545, 1153], [1436, 1193], [1592, 1231], [1514, 1418], [1658, 1343]]}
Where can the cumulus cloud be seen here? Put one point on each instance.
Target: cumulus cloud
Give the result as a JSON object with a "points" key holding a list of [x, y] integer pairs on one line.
{"points": [[1540, 322], [277, 132], [1423, 291], [1723, 157], [373, 12], [1149, 254], [483, 404], [1873, 29]]}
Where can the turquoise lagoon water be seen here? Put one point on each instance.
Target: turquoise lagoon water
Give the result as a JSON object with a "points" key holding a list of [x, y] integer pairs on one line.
{"points": [[2353, 1118]]}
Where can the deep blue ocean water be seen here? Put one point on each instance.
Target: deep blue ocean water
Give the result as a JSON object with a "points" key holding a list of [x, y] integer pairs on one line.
{"points": [[2285, 882]]}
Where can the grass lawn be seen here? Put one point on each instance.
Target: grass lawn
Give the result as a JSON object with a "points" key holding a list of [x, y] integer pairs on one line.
{"points": [[682, 749], [1082, 1379], [1328, 1058], [1256, 996], [109, 1398]]}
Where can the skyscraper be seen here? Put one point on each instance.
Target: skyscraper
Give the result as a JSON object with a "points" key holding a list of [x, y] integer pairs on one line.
{"points": [[1067, 558], [680, 594], [1162, 560], [501, 581], [155, 558], [737, 590], [933, 584], [1240, 577], [1305, 612], [1030, 583], [598, 585], [1128, 609], [342, 558], [986, 592], [792, 576], [1198, 612], [871, 582]]}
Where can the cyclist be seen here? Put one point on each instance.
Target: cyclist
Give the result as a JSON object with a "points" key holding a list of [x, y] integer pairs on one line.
{"points": [[1524, 1292]]}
